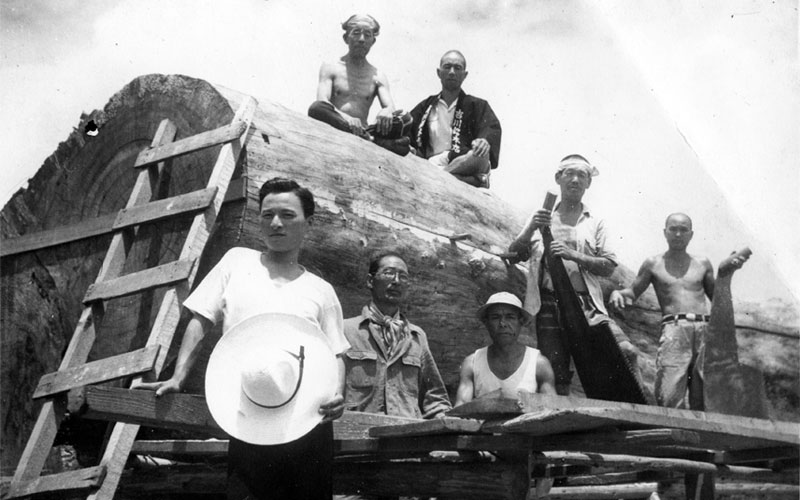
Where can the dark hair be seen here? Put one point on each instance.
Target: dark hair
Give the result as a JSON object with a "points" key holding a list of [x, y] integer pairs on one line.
{"points": [[375, 261], [376, 27], [283, 185]]}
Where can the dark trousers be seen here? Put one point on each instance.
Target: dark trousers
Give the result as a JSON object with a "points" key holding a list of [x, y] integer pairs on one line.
{"points": [[301, 470]]}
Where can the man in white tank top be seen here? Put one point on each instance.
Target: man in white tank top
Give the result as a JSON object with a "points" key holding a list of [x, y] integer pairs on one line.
{"points": [[506, 366]]}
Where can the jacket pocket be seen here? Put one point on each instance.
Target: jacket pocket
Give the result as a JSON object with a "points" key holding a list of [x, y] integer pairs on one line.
{"points": [[362, 367]]}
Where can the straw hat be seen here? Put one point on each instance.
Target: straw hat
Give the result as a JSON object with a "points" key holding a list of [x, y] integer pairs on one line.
{"points": [[507, 299], [268, 376]]}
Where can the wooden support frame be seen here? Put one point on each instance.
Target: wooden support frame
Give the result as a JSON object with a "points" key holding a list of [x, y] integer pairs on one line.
{"points": [[65, 483]]}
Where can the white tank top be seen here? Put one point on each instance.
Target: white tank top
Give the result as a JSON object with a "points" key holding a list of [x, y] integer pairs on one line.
{"points": [[524, 378]]}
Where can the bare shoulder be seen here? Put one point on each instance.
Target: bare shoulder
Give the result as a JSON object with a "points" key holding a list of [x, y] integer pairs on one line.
{"points": [[332, 67], [466, 365], [702, 261], [380, 76]]}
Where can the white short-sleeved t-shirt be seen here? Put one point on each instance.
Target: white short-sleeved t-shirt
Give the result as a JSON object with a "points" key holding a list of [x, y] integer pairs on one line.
{"points": [[240, 287]]}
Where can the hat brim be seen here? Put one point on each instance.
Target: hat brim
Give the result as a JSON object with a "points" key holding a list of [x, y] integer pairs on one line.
{"points": [[527, 318], [238, 348]]}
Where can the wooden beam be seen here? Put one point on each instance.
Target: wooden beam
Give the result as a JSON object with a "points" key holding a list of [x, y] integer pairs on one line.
{"points": [[355, 425], [626, 462], [61, 485], [487, 409], [739, 490], [195, 448], [547, 414], [497, 480], [606, 492], [52, 237], [192, 143], [115, 367], [165, 274], [433, 426], [179, 411], [649, 442], [109, 223], [424, 444]]}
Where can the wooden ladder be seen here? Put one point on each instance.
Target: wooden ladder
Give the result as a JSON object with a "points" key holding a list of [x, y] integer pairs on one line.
{"points": [[100, 482]]}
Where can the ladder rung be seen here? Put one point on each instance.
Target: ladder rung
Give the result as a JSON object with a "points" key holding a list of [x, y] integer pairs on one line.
{"points": [[115, 367], [164, 209], [64, 482], [129, 284], [193, 143]]}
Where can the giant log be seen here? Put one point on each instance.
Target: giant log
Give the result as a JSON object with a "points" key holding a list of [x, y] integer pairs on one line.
{"points": [[368, 199]]}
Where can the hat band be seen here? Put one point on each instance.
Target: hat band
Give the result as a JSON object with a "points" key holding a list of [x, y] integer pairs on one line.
{"points": [[301, 357]]}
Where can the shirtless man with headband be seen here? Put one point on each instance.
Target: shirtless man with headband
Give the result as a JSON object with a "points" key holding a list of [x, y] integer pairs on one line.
{"points": [[348, 86]]}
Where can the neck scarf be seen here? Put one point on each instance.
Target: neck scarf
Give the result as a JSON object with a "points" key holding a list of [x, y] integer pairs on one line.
{"points": [[394, 329]]}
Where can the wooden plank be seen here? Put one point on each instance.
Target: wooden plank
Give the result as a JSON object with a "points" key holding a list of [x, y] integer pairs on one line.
{"points": [[547, 414], [103, 370], [497, 480], [356, 425], [114, 459], [738, 490], [467, 481], [624, 462], [42, 239], [487, 409], [195, 142], [185, 481], [425, 444], [62, 484], [165, 274], [428, 427], [609, 492], [105, 224], [195, 448], [179, 411], [164, 209], [44, 432], [650, 442]]}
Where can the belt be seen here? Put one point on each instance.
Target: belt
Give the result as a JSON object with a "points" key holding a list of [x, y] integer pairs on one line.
{"points": [[547, 291], [686, 316]]}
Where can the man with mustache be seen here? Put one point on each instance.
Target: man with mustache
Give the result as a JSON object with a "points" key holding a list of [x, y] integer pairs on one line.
{"points": [[389, 367]]}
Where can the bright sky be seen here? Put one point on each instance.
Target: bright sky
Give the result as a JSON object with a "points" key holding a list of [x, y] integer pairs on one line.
{"points": [[683, 105]]}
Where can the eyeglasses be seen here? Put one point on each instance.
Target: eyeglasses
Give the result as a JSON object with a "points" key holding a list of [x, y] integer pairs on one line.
{"points": [[392, 274], [357, 33]]}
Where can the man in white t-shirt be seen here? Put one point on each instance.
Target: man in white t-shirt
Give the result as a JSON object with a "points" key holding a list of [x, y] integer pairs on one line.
{"points": [[506, 366], [246, 283]]}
